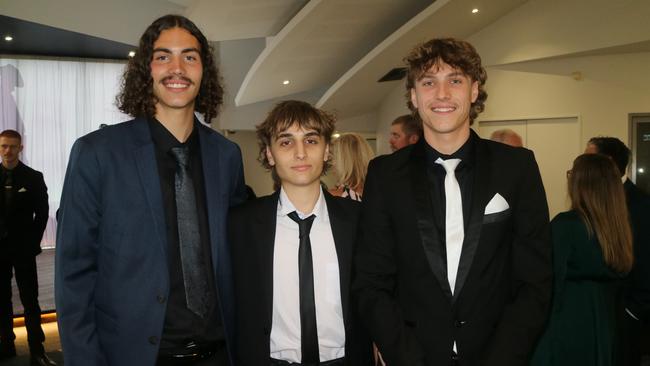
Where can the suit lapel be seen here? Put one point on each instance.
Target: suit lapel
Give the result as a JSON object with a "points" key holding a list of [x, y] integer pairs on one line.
{"points": [[480, 196], [264, 235], [343, 233], [145, 160], [429, 235], [214, 195]]}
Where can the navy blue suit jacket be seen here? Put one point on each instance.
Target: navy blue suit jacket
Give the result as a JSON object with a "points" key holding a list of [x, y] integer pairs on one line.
{"points": [[112, 276]]}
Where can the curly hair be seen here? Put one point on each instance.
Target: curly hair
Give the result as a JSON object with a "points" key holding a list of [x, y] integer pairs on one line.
{"points": [[456, 53], [137, 98], [282, 117]]}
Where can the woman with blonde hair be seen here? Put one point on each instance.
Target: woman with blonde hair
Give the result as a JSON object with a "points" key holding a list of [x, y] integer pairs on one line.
{"points": [[351, 154], [592, 252]]}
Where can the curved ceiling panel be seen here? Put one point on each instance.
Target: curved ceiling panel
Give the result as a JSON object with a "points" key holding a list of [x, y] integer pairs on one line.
{"points": [[328, 36], [358, 90]]}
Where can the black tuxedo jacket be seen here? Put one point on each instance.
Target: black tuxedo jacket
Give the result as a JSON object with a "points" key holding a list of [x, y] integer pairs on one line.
{"points": [[251, 231], [503, 286], [638, 282], [27, 217]]}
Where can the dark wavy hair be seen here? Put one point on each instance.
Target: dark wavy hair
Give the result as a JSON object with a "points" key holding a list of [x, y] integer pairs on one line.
{"points": [[136, 97], [282, 117], [456, 53]]}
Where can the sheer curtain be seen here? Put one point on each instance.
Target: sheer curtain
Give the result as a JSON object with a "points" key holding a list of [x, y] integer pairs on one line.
{"points": [[52, 103]]}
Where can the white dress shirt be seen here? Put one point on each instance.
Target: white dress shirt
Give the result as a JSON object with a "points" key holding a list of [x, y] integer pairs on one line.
{"points": [[285, 332]]}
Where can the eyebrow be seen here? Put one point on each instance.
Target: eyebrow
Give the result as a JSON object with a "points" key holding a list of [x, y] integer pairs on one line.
{"points": [[454, 74], [185, 50], [288, 134]]}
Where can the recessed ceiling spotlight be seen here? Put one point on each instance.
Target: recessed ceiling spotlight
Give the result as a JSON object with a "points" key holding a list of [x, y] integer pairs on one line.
{"points": [[474, 11], [131, 53], [286, 82], [9, 38], [336, 135]]}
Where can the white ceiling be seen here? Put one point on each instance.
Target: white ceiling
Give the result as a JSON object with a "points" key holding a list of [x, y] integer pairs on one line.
{"points": [[338, 49]]}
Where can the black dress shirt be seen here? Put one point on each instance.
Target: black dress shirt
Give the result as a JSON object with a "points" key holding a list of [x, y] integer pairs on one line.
{"points": [[182, 325], [464, 175]]}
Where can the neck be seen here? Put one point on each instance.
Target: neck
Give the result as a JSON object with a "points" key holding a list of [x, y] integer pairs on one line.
{"points": [[447, 143], [303, 198], [179, 123], [9, 165]]}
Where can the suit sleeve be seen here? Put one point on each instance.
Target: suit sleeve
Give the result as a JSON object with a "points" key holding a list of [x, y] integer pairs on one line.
{"points": [[376, 272], [524, 318], [76, 258], [239, 194], [41, 210]]}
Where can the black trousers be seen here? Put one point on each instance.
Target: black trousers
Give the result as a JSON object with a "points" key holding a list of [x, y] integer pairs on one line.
{"points": [[25, 269]]}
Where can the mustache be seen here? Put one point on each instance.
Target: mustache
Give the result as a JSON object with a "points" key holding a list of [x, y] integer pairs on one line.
{"points": [[177, 77]]}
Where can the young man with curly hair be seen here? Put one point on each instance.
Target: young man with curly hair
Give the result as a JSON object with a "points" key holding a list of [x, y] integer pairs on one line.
{"points": [[293, 271], [143, 272], [457, 268]]}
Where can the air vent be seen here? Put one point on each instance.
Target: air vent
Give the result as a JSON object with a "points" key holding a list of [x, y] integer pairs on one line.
{"points": [[397, 73]]}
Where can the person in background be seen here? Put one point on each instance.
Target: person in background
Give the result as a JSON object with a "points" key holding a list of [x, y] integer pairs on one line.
{"points": [[592, 252], [351, 154], [143, 273], [508, 137], [636, 316], [293, 270], [404, 131], [23, 217]]}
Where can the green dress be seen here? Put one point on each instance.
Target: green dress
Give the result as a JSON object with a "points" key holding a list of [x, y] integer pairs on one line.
{"points": [[587, 295]]}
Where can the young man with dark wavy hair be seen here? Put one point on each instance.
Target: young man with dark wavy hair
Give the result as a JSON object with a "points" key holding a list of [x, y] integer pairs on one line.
{"points": [[143, 273], [456, 269], [293, 271]]}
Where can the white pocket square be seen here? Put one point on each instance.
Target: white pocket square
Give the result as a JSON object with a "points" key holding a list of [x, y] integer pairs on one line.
{"points": [[22, 190], [496, 204]]}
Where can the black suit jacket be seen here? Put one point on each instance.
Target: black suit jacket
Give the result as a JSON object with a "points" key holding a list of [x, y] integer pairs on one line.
{"points": [[27, 217], [638, 282], [503, 286], [252, 235]]}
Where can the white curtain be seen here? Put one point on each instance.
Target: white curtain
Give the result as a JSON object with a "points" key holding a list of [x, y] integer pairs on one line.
{"points": [[52, 103]]}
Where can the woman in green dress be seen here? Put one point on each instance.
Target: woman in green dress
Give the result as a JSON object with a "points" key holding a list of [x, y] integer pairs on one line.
{"points": [[592, 252]]}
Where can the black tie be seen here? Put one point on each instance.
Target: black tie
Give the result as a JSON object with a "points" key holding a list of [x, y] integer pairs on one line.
{"points": [[195, 277], [308, 329], [8, 190]]}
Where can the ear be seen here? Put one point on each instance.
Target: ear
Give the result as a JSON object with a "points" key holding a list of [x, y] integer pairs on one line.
{"points": [[474, 91], [327, 153], [269, 156], [20, 149], [414, 99], [413, 139]]}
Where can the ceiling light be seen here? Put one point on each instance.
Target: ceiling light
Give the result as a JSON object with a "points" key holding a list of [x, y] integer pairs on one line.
{"points": [[336, 135], [131, 53], [641, 170], [9, 38], [474, 11], [286, 82]]}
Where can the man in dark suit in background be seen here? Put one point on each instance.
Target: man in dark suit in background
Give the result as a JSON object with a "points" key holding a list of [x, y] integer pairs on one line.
{"points": [[23, 217], [292, 253], [456, 269], [636, 323], [143, 272]]}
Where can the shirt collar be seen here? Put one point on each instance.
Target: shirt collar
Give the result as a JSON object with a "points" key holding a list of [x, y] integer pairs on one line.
{"points": [[285, 207], [164, 139], [465, 153]]}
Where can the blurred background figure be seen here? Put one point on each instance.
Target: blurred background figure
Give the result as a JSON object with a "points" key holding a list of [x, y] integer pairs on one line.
{"points": [[636, 316], [507, 136], [404, 131], [592, 253], [351, 153]]}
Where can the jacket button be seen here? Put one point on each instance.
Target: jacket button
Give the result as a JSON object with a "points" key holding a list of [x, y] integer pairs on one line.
{"points": [[153, 340], [460, 323], [160, 298]]}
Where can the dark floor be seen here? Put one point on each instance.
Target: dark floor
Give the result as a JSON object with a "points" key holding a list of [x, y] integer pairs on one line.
{"points": [[52, 346]]}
